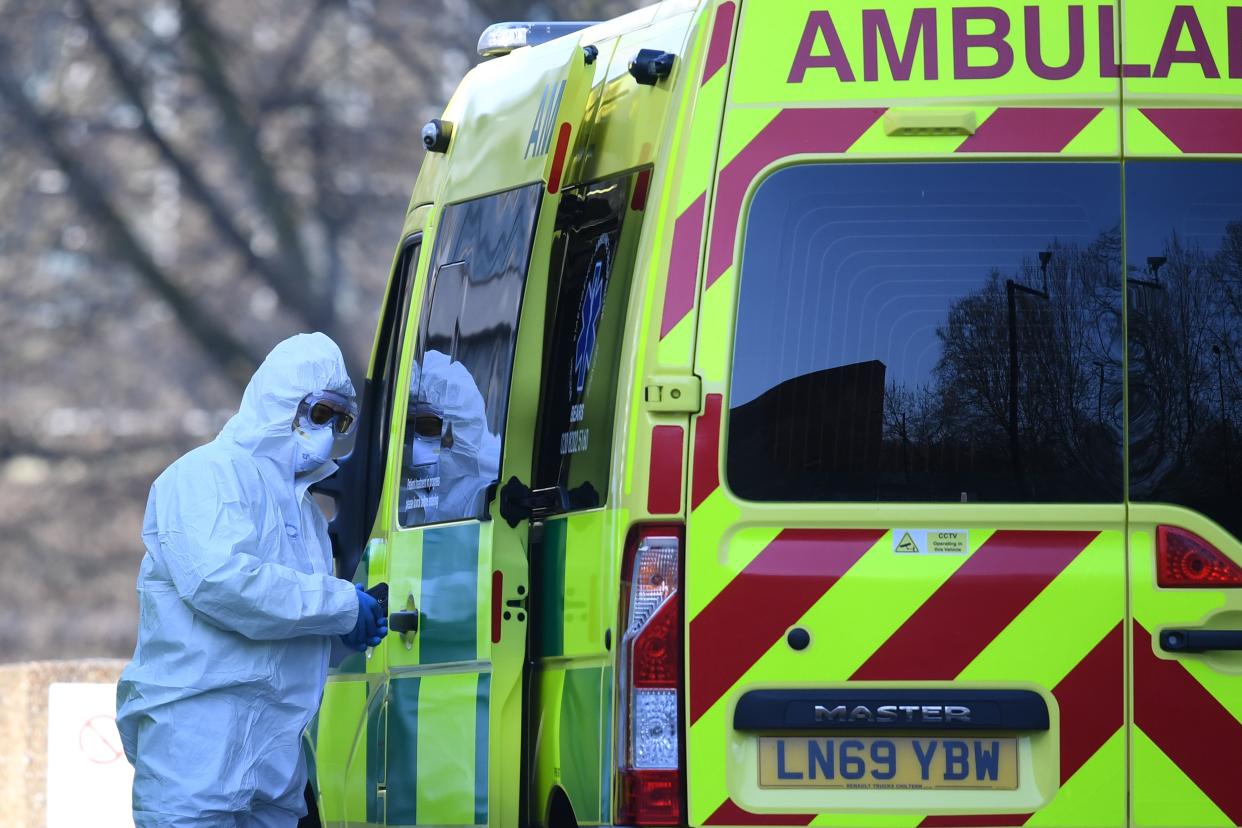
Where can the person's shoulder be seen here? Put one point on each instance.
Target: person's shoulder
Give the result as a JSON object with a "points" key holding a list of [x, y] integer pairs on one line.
{"points": [[216, 461]]}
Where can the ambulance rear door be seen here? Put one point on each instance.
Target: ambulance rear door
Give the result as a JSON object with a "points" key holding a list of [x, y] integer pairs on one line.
{"points": [[1182, 90], [905, 556]]}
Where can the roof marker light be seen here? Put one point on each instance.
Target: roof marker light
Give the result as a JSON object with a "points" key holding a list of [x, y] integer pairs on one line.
{"points": [[502, 38]]}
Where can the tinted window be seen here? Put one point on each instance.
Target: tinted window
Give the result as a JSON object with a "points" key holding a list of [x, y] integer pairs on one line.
{"points": [[392, 339], [1184, 268], [592, 262], [459, 388], [932, 332]]}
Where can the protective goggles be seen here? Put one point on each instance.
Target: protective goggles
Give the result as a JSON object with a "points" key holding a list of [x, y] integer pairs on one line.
{"points": [[324, 407], [427, 422]]}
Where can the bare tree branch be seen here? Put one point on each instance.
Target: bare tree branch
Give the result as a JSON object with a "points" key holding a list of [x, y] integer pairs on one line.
{"points": [[299, 47], [218, 343], [287, 288], [282, 99], [240, 133], [333, 217], [413, 61]]}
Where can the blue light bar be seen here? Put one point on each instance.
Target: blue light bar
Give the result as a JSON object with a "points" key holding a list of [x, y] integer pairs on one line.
{"points": [[502, 38]]}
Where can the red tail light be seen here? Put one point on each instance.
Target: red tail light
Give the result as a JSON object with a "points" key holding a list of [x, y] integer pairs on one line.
{"points": [[650, 747], [656, 651], [650, 797], [1183, 559]]}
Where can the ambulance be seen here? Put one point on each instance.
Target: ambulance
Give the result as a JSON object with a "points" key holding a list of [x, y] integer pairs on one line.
{"points": [[788, 412]]}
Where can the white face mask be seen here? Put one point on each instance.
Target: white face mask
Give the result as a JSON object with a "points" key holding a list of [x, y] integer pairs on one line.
{"points": [[313, 447], [425, 463]]}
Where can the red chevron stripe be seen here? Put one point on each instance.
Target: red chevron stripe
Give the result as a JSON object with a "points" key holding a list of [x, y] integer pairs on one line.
{"points": [[1092, 701], [707, 451], [1087, 721], [771, 593], [664, 484], [718, 48], [1086, 724], [970, 609], [730, 814], [1188, 723], [791, 132], [1029, 129], [1199, 130], [683, 266]]}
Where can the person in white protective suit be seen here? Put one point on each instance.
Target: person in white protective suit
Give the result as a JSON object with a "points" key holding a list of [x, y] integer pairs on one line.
{"points": [[454, 461], [237, 602]]}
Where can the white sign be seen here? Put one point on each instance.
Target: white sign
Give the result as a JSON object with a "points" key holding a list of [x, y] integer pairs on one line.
{"points": [[931, 541], [88, 776]]}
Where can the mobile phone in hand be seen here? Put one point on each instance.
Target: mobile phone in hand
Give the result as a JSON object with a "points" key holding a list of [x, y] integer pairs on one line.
{"points": [[380, 593]]}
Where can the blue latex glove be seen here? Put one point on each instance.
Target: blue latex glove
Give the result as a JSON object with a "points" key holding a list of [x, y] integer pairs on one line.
{"points": [[377, 613], [370, 628]]}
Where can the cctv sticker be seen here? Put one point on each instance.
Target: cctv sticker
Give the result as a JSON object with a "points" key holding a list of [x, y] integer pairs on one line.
{"points": [[931, 541]]}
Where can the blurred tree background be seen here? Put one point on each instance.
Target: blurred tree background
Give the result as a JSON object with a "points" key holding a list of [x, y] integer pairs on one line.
{"points": [[183, 184]]}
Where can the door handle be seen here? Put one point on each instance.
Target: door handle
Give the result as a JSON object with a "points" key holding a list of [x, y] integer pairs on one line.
{"points": [[404, 621], [519, 502], [1200, 641]]}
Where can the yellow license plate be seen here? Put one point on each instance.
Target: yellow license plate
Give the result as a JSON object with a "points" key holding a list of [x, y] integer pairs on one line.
{"points": [[888, 762]]}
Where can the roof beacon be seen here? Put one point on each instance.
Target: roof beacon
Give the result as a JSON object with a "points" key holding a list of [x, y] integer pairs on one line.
{"points": [[502, 38]]}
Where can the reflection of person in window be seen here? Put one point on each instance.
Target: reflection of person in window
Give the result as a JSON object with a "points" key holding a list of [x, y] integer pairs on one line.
{"points": [[447, 474]]}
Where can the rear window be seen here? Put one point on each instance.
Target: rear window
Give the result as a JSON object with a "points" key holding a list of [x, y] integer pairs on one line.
{"points": [[930, 332], [1184, 288]]}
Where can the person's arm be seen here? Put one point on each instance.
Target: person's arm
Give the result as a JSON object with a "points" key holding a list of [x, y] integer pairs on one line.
{"points": [[210, 548]]}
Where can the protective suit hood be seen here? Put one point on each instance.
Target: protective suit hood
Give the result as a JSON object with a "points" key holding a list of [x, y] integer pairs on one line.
{"points": [[469, 453], [298, 366], [449, 387]]}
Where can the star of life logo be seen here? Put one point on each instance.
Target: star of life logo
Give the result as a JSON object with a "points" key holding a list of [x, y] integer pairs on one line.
{"points": [[592, 308]]}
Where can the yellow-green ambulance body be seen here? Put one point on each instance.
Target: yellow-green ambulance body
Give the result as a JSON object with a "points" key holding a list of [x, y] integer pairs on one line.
{"points": [[787, 412]]}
